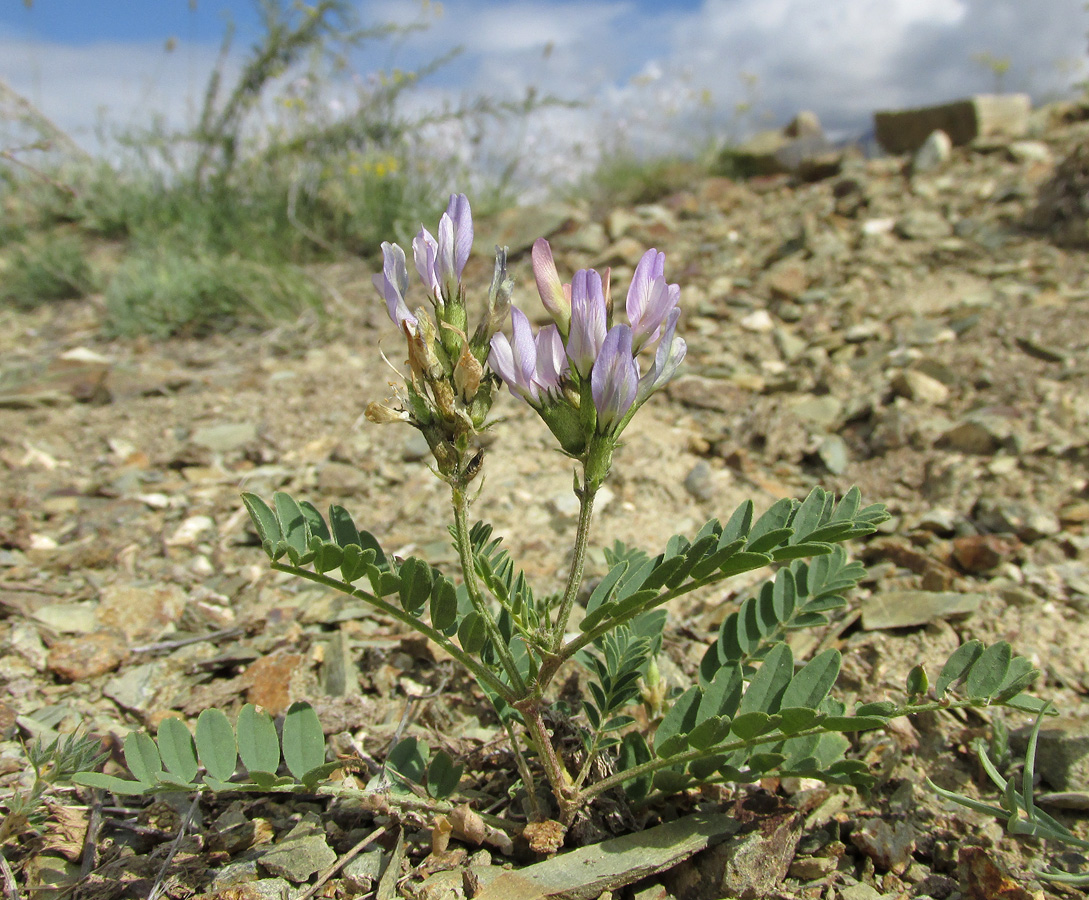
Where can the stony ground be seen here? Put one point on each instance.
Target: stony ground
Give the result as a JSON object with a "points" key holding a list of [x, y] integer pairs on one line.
{"points": [[917, 335]]}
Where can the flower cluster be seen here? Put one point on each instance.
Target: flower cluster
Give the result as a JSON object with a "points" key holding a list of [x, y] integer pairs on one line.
{"points": [[447, 394], [582, 372]]}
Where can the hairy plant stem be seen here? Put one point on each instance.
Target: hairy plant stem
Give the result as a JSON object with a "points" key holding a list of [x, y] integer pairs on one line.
{"points": [[524, 771], [567, 798], [481, 672], [574, 576], [460, 502]]}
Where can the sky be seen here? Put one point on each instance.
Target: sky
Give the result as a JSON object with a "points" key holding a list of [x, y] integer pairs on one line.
{"points": [[653, 76]]}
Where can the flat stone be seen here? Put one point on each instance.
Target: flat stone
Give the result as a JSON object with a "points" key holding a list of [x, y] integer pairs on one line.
{"points": [[1062, 752], [225, 437], [80, 658], [834, 454], [976, 553], [191, 531], [907, 609], [68, 618], [758, 321], [923, 225], [141, 611], [824, 410], [1029, 521], [905, 130], [296, 859], [135, 687]]}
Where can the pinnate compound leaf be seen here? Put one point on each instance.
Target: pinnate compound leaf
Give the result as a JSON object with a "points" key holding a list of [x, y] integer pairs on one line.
{"points": [[443, 776], [680, 719], [177, 750], [216, 745], [258, 743], [957, 666], [265, 523], [812, 683], [303, 739], [142, 758], [109, 783], [770, 682], [989, 671]]}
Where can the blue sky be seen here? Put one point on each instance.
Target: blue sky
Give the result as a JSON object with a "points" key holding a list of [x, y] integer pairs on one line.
{"points": [[657, 75]]}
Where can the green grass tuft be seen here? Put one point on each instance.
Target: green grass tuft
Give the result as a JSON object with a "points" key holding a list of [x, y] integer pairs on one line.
{"points": [[46, 268]]}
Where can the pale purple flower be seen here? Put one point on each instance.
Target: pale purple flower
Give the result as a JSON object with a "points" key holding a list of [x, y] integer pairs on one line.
{"points": [[650, 300], [588, 315], [668, 356], [516, 362], [425, 250], [440, 261], [392, 284], [555, 297], [461, 236], [551, 360], [614, 381]]}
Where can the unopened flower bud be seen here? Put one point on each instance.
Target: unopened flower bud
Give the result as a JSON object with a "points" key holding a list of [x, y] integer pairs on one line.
{"points": [[384, 415]]}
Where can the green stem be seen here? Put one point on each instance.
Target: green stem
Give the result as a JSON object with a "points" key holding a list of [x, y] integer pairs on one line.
{"points": [[525, 771], [481, 673], [578, 562], [460, 503]]}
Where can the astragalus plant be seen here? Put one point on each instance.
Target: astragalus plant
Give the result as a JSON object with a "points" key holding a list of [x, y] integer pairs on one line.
{"points": [[752, 710]]}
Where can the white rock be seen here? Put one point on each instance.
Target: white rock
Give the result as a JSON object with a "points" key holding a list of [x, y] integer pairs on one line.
{"points": [[759, 321]]}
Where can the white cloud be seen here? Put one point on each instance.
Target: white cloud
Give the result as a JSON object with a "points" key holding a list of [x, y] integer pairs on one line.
{"points": [[658, 79]]}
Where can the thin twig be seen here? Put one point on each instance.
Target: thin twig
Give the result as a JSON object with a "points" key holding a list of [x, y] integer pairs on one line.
{"points": [[342, 862], [11, 889], [185, 642], [90, 839], [157, 888]]}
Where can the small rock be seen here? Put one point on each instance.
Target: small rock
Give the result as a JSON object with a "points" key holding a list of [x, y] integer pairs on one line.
{"points": [[860, 892], [977, 553], [191, 531], [225, 437], [135, 687], [808, 868], [1062, 752], [301, 853], [906, 609], [1029, 152], [834, 454], [1027, 520], [786, 280], [758, 321], [934, 153], [823, 411], [68, 618], [141, 611], [917, 386], [889, 846], [363, 871], [700, 481], [923, 225], [977, 435], [77, 659], [982, 878]]}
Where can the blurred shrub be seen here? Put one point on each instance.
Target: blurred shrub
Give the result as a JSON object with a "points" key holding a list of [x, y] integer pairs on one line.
{"points": [[47, 267], [162, 293]]}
